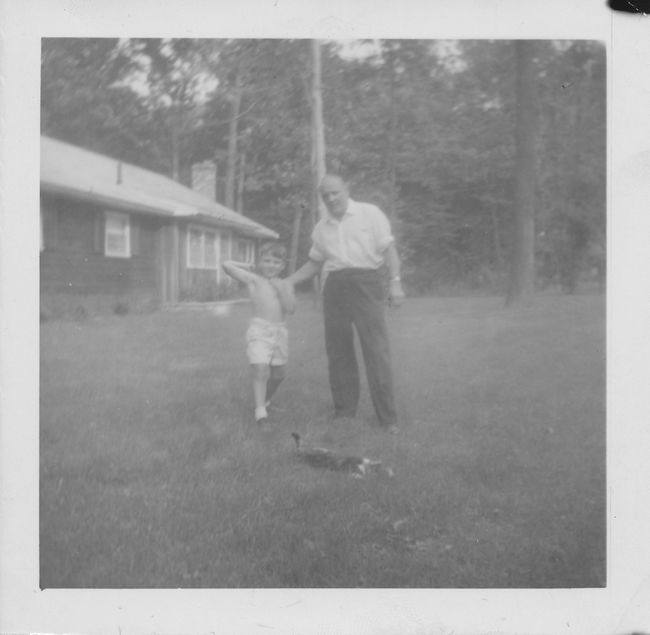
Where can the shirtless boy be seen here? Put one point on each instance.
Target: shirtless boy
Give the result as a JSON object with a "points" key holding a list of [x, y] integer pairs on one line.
{"points": [[267, 335]]}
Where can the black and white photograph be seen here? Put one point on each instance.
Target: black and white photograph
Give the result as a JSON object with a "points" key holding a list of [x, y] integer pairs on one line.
{"points": [[448, 199], [325, 311]]}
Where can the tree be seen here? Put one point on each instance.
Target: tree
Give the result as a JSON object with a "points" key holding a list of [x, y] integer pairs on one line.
{"points": [[233, 136], [422, 128], [317, 132], [522, 265], [572, 170], [175, 75], [236, 65], [84, 100]]}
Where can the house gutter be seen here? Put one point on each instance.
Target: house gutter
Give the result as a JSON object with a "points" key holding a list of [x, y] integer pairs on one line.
{"points": [[174, 210], [93, 196]]}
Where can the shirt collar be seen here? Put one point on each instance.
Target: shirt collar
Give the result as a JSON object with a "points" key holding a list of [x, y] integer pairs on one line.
{"points": [[350, 211]]}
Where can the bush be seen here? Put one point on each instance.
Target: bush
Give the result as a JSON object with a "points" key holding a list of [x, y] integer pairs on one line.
{"points": [[69, 306]]}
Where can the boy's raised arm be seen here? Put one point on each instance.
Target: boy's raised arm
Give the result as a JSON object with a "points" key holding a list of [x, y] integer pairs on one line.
{"points": [[237, 272]]}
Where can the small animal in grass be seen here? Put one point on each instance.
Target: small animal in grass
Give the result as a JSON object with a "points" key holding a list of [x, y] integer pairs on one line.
{"points": [[357, 466]]}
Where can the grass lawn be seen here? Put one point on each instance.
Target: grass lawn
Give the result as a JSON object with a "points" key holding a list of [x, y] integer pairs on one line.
{"points": [[152, 474]]}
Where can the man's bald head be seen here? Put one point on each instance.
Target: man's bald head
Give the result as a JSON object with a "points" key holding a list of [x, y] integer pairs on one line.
{"points": [[332, 178], [334, 192]]}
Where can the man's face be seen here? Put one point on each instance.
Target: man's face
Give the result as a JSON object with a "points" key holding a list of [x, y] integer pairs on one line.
{"points": [[270, 266], [335, 196]]}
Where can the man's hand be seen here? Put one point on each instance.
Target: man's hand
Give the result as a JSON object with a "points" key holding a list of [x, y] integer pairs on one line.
{"points": [[395, 294], [307, 271]]}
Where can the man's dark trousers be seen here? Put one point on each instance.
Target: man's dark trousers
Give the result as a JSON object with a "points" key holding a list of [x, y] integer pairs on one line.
{"points": [[355, 298]]}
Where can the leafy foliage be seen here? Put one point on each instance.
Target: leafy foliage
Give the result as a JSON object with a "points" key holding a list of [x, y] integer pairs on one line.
{"points": [[83, 101], [425, 129]]}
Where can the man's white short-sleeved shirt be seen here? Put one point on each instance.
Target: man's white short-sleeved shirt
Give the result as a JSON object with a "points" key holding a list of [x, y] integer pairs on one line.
{"points": [[358, 240]]}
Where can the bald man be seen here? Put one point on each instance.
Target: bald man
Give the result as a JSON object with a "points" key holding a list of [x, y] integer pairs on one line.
{"points": [[350, 245]]}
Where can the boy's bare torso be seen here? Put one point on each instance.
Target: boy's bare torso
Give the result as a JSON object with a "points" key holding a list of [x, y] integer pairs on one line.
{"points": [[265, 295], [272, 298]]}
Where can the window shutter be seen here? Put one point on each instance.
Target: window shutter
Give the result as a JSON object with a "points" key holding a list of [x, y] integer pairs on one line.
{"points": [[98, 239], [135, 236]]}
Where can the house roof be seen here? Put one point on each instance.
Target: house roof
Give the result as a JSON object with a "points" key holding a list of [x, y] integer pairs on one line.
{"points": [[73, 171]]}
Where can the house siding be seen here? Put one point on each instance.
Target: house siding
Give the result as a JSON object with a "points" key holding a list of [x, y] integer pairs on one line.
{"points": [[73, 261], [85, 194]]}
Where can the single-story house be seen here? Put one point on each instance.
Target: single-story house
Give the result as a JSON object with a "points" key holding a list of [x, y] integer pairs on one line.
{"points": [[112, 233]]}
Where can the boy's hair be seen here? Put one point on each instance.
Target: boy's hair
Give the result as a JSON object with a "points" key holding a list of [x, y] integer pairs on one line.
{"points": [[277, 250]]}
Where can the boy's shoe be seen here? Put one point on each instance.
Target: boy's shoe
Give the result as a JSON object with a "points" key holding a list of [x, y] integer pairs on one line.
{"points": [[260, 414], [262, 422]]}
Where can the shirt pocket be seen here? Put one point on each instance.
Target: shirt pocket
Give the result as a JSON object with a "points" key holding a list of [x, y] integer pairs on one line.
{"points": [[361, 241], [365, 230]]}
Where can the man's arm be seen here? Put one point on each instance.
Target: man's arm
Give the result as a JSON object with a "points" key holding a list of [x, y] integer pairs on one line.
{"points": [[307, 271], [237, 272], [395, 293]]}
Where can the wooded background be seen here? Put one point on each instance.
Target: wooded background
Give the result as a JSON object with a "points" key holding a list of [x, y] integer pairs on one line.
{"points": [[454, 140]]}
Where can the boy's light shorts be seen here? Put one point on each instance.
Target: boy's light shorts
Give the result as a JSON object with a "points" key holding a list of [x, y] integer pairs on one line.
{"points": [[267, 342]]}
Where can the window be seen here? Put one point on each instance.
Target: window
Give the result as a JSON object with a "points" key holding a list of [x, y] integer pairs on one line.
{"points": [[194, 249], [117, 235], [225, 247], [202, 249], [243, 251]]}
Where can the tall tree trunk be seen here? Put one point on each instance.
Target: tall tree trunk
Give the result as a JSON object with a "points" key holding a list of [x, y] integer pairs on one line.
{"points": [[392, 139], [522, 265], [497, 250], [295, 236], [240, 182], [231, 168], [317, 133], [317, 145], [175, 142]]}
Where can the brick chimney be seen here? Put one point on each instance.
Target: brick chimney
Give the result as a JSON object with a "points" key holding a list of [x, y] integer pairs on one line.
{"points": [[204, 179]]}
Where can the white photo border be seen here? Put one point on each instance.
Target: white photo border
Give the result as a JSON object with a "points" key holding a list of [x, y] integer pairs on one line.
{"points": [[624, 606]]}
